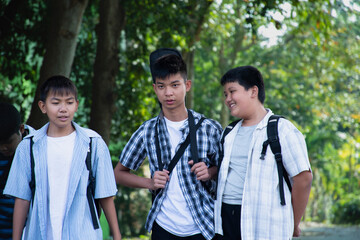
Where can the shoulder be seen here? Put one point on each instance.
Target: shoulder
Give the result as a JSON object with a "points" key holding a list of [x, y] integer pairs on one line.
{"points": [[83, 131], [213, 123], [90, 133], [286, 126], [207, 122]]}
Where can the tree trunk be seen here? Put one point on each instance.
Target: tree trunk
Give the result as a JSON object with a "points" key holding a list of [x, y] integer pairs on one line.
{"points": [[64, 22], [106, 66], [199, 11]]}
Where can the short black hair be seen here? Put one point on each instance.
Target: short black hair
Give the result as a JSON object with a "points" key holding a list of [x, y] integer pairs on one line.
{"points": [[10, 121], [165, 62], [246, 76], [58, 85]]}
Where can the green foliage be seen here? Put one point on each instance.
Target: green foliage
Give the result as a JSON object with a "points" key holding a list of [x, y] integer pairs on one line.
{"points": [[311, 77], [347, 210]]}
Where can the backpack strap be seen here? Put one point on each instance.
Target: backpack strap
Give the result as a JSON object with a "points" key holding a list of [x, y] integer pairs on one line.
{"points": [[192, 128], [222, 140], [32, 182], [191, 137], [90, 191], [274, 142], [221, 152]]}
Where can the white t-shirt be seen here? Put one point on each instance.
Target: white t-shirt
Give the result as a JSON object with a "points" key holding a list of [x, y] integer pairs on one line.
{"points": [[59, 157], [174, 215]]}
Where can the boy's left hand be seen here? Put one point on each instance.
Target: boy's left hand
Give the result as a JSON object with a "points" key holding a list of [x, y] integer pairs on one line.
{"points": [[201, 170]]}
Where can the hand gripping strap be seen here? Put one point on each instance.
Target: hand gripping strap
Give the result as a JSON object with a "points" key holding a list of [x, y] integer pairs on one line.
{"points": [[189, 138]]}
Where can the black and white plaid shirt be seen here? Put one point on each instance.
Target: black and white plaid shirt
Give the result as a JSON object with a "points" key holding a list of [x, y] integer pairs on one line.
{"points": [[197, 194]]}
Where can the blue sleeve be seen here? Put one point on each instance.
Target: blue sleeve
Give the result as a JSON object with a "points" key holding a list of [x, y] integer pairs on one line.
{"points": [[134, 151], [17, 184], [104, 173]]}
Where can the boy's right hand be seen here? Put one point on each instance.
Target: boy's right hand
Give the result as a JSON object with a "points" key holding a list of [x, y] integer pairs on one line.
{"points": [[159, 179]]}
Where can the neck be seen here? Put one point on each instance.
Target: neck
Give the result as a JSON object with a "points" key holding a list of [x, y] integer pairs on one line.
{"points": [[176, 115], [59, 132], [255, 117]]}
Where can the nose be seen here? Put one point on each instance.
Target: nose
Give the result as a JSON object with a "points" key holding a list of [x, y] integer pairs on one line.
{"points": [[227, 98], [63, 107], [168, 91]]}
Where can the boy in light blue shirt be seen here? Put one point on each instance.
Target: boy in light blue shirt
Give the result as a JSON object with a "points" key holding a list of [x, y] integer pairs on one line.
{"points": [[59, 207]]}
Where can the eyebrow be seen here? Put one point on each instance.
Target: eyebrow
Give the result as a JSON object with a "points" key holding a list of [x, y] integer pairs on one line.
{"points": [[58, 99]]}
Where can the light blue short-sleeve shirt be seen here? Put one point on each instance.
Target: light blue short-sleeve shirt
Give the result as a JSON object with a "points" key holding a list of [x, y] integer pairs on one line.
{"points": [[77, 220]]}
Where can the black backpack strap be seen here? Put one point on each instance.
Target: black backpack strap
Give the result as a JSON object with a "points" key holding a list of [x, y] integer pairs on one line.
{"points": [[274, 142], [32, 181], [222, 140], [182, 147], [221, 152], [90, 192], [158, 149], [193, 142]]}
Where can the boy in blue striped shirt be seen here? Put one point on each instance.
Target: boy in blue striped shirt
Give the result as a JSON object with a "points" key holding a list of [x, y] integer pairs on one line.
{"points": [[59, 207]]}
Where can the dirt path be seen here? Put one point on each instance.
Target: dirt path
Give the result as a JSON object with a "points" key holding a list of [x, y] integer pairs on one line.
{"points": [[315, 231]]}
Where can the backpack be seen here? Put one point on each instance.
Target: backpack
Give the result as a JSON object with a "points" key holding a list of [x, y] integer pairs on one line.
{"points": [[273, 141], [90, 192]]}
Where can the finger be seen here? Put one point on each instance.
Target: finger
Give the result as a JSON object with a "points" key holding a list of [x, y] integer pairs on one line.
{"points": [[203, 175], [195, 167], [198, 167], [191, 162]]}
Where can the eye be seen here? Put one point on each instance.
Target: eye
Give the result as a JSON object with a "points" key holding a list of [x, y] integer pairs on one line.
{"points": [[175, 85]]}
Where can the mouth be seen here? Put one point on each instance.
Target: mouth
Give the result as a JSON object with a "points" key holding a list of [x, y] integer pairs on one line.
{"points": [[63, 118], [231, 105], [169, 101]]}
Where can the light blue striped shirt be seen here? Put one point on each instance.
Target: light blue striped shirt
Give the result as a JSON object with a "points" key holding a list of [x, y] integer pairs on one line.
{"points": [[77, 219]]}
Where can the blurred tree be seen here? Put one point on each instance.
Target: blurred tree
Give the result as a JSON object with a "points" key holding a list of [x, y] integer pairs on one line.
{"points": [[62, 27], [106, 66]]}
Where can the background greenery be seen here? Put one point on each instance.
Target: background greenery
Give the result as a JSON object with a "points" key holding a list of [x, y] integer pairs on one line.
{"points": [[311, 73]]}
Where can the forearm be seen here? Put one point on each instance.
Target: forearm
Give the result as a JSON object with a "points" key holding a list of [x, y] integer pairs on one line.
{"points": [[124, 177], [300, 195], [21, 209], [108, 207]]}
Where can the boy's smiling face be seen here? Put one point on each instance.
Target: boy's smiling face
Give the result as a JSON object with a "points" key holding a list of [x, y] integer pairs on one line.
{"points": [[60, 109], [238, 99]]}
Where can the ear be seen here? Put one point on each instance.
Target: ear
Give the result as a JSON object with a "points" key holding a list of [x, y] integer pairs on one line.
{"points": [[41, 105], [188, 85], [22, 128], [254, 92]]}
